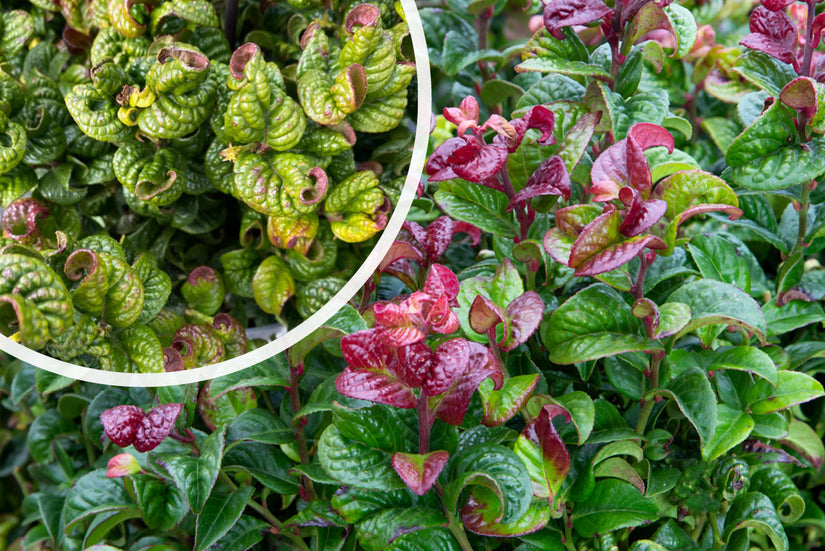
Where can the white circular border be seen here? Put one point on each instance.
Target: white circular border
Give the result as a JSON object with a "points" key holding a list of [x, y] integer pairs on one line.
{"points": [[293, 336]]}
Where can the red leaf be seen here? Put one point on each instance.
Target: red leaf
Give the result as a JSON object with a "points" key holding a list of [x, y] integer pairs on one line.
{"points": [[399, 250], [19, 220], [415, 361], [382, 387], [777, 5], [440, 317], [449, 363], [419, 472], [155, 426], [618, 255], [441, 281], [485, 163], [439, 235], [366, 350], [538, 117], [773, 33], [542, 433], [438, 167], [595, 237], [566, 13], [641, 215], [524, 314], [550, 178], [121, 424], [451, 406]]}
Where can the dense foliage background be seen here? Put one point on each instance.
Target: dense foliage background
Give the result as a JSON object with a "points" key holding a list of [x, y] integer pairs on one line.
{"points": [[601, 327]]}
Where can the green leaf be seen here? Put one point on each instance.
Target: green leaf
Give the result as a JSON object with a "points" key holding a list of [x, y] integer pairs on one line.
{"points": [[378, 531], [717, 259], [243, 535], [43, 433], [793, 315], [782, 168], [219, 514], [713, 302], [764, 71], [548, 90], [460, 50], [614, 504], [545, 54], [673, 18], [195, 476], [755, 510], [272, 285], [497, 468], [428, 539], [743, 358], [732, 427], [802, 438], [480, 206], [501, 405], [770, 132], [259, 425], [355, 464], [482, 513], [594, 323], [266, 463], [782, 491], [791, 388], [161, 504], [92, 494], [693, 394]]}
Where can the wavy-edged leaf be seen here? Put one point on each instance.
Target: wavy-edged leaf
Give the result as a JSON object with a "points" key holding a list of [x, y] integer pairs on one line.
{"points": [[755, 510]]}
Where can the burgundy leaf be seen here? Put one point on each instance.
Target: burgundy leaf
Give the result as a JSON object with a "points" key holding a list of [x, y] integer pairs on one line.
{"points": [[400, 250], [777, 5], [440, 317], [617, 255], [441, 281], [121, 424], [449, 363], [466, 157], [566, 13], [451, 406], [550, 178], [596, 236], [382, 387], [573, 219], [641, 215], [366, 349], [489, 159], [631, 7], [156, 426], [464, 116], [398, 326], [524, 314], [800, 94], [816, 31], [439, 234], [19, 220], [419, 472], [773, 33], [415, 363], [172, 360], [485, 315], [556, 458], [538, 117], [438, 168]]}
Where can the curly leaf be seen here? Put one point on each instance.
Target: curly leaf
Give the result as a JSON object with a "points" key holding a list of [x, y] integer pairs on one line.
{"points": [[203, 290], [121, 16], [96, 115], [381, 114], [142, 346], [125, 294], [12, 143], [357, 208], [199, 345], [157, 286], [272, 285]]}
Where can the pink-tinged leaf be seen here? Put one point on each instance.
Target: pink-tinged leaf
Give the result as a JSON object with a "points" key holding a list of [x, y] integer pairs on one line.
{"points": [[566, 13], [618, 255], [646, 309], [572, 220], [485, 315], [482, 513], [502, 405], [465, 116], [399, 250], [19, 220], [624, 163], [156, 426], [558, 245], [451, 406], [419, 472], [818, 27], [800, 94], [449, 363], [544, 454], [401, 336], [172, 360], [441, 281], [524, 314], [773, 33], [121, 424], [439, 234], [366, 350], [596, 237], [649, 135], [487, 162], [381, 387], [641, 215], [550, 178], [123, 464], [777, 5], [440, 317]]}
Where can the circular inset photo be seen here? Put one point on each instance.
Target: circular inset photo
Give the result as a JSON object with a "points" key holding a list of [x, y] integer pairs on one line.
{"points": [[186, 192]]}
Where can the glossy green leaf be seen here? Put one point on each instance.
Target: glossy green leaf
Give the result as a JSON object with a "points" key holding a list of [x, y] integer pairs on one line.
{"points": [[93, 494], [272, 285], [378, 531], [501, 405], [693, 394], [356, 464], [780, 169], [732, 427], [545, 54], [791, 388], [614, 504], [793, 315], [802, 438], [594, 323], [161, 504], [259, 425], [243, 535], [717, 259], [764, 71], [782, 491], [43, 433], [195, 476], [480, 206], [755, 510], [483, 510], [219, 514], [267, 464]]}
